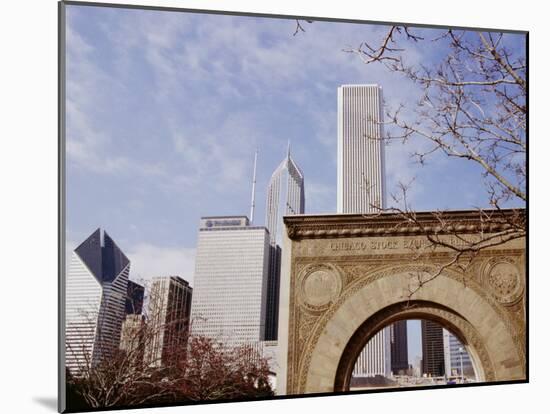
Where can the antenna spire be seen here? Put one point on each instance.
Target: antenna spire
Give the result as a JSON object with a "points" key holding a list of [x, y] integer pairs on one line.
{"points": [[253, 202], [288, 150]]}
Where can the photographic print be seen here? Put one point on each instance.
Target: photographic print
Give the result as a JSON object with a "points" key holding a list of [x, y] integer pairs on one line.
{"points": [[259, 207]]}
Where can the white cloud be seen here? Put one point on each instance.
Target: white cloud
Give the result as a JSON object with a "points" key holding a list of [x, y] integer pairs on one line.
{"points": [[200, 74], [184, 51], [148, 260], [90, 91]]}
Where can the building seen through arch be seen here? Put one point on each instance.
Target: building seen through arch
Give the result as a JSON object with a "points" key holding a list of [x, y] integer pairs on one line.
{"points": [[443, 359]]}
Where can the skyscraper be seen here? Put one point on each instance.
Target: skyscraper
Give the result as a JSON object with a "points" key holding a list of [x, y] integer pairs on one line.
{"points": [[399, 349], [168, 318], [230, 284], [433, 359], [132, 337], [361, 166], [375, 359], [132, 330], [285, 196], [95, 298], [361, 189], [457, 360], [134, 298]]}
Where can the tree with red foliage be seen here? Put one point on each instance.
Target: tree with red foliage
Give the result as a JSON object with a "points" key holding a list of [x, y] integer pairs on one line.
{"points": [[215, 371]]}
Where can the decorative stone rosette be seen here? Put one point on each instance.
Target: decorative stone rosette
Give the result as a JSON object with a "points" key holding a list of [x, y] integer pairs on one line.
{"points": [[502, 278], [319, 286]]}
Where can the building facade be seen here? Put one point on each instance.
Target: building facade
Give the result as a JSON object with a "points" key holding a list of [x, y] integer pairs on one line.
{"points": [[132, 337], [340, 283], [285, 196], [168, 319], [375, 359], [399, 348], [133, 327], [361, 189], [433, 358], [95, 299], [134, 298], [361, 165], [457, 359], [230, 283]]}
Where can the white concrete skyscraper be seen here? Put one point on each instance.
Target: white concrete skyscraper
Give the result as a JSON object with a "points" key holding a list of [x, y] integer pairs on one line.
{"points": [[375, 359], [285, 196], [361, 169], [95, 299], [361, 186], [230, 284]]}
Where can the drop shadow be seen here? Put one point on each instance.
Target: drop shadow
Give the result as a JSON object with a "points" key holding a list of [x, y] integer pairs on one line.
{"points": [[48, 402]]}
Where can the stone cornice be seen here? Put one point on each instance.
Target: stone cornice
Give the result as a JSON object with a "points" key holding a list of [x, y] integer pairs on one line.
{"points": [[394, 224]]}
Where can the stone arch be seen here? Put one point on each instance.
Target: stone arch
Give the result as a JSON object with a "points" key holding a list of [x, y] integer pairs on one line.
{"points": [[445, 299], [414, 310]]}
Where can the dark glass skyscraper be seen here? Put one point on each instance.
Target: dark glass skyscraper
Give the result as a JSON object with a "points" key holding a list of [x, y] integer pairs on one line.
{"points": [[399, 349], [433, 356], [134, 298]]}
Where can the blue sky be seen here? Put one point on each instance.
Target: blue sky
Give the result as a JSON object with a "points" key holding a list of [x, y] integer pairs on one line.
{"points": [[165, 111]]}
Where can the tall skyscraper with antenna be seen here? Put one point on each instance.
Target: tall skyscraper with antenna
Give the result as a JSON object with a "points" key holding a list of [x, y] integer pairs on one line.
{"points": [[285, 196], [361, 190]]}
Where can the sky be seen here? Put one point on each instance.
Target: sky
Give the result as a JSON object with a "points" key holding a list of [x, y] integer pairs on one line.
{"points": [[165, 111]]}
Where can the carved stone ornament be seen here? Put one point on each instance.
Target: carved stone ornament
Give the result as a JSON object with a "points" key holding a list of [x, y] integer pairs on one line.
{"points": [[320, 285], [502, 278]]}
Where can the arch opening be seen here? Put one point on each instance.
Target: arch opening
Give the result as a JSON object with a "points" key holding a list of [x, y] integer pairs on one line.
{"points": [[464, 360]]}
